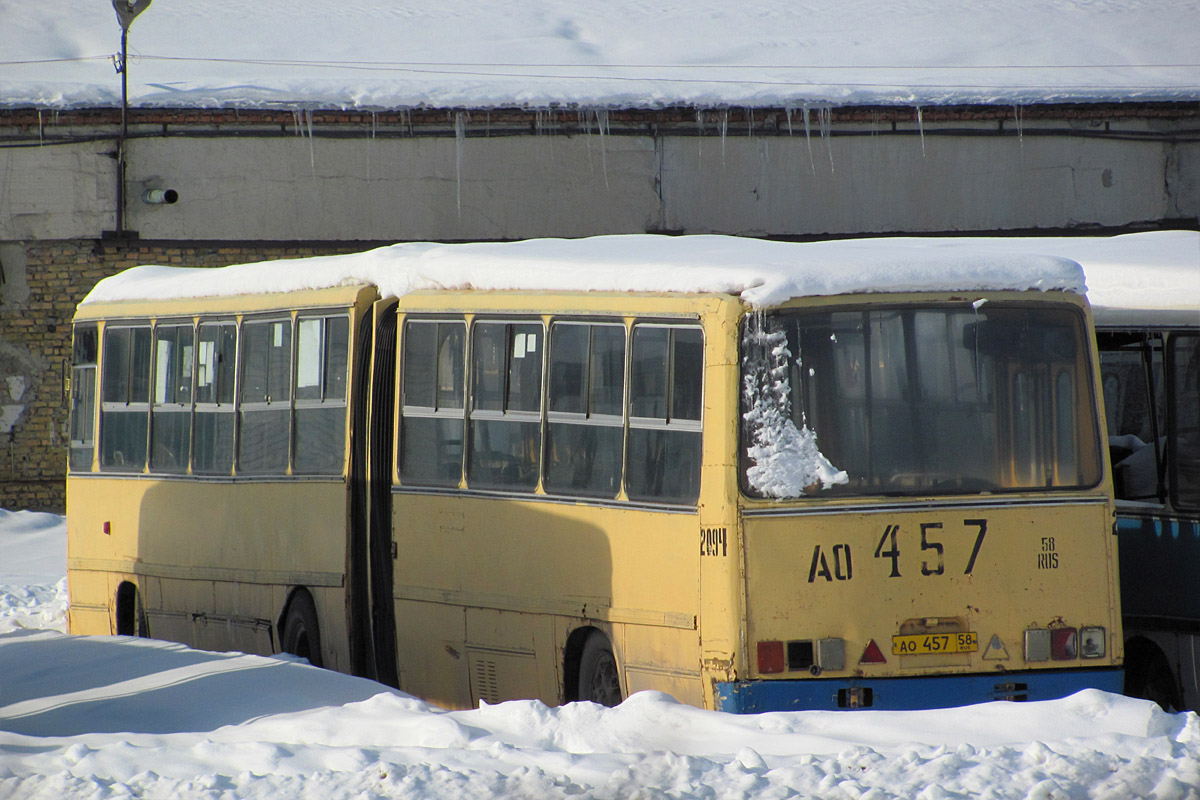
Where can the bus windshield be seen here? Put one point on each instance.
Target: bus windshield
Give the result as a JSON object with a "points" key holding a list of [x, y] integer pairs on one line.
{"points": [[906, 400]]}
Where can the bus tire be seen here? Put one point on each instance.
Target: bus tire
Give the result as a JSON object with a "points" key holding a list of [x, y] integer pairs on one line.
{"points": [[1148, 675], [598, 678], [301, 637]]}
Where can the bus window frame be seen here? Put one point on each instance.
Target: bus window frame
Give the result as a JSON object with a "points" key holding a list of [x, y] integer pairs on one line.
{"points": [[1173, 426], [160, 406], [126, 406], [289, 321], [505, 414], [84, 397], [217, 407], [586, 417], [436, 411], [667, 423], [323, 402]]}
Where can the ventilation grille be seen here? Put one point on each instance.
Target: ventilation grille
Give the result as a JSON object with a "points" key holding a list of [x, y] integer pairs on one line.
{"points": [[484, 679]]}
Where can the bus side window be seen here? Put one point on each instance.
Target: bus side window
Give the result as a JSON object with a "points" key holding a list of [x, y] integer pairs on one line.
{"points": [[663, 458], [432, 392], [83, 398], [322, 350], [125, 398], [1131, 368], [505, 412], [171, 417], [587, 388], [1185, 422], [265, 397], [216, 366]]}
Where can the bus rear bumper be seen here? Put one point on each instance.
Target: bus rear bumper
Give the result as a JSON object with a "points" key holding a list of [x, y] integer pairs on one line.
{"points": [[909, 694]]}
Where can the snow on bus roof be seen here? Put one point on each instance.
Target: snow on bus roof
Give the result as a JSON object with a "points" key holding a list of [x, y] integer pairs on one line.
{"points": [[763, 273]]}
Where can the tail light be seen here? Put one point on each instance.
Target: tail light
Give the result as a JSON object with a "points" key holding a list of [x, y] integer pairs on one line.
{"points": [[802, 655], [770, 657], [1092, 643], [1065, 644]]}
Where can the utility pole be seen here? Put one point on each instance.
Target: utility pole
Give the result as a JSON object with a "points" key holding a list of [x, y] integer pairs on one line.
{"points": [[126, 11]]}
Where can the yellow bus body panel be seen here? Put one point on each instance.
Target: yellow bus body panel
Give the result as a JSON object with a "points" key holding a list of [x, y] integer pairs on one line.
{"points": [[863, 576], [212, 560]]}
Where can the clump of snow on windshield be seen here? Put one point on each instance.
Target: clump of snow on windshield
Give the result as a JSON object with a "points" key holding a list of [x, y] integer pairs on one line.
{"points": [[786, 459]]}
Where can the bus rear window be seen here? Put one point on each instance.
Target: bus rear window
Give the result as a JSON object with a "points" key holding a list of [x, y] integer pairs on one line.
{"points": [[910, 401]]}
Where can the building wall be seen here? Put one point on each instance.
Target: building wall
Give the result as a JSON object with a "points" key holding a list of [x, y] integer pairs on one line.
{"points": [[255, 185], [472, 176]]}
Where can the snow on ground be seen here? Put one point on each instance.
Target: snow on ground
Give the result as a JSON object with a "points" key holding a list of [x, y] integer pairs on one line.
{"points": [[33, 584], [544, 53], [114, 717]]}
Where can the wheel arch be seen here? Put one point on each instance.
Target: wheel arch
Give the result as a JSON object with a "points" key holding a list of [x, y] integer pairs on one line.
{"points": [[295, 596], [1149, 675], [573, 656], [129, 612]]}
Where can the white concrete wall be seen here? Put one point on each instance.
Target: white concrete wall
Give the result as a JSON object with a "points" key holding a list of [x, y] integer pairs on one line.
{"points": [[892, 183], [56, 192], [508, 187]]}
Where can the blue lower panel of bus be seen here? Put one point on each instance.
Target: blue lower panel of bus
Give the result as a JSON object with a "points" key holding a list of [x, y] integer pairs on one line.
{"points": [[908, 694]]}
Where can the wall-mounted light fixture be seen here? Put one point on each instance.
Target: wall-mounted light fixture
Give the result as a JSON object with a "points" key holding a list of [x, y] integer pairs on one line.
{"points": [[160, 196]]}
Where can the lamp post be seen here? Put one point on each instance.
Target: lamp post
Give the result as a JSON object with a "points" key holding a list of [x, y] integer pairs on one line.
{"points": [[126, 11]]}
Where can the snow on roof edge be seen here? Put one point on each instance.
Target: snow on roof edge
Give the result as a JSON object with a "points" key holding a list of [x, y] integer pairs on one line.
{"points": [[763, 273]]}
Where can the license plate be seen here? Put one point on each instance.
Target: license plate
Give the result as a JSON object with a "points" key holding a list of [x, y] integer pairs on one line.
{"points": [[927, 643]]}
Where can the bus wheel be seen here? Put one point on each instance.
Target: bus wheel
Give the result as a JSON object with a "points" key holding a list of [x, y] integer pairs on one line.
{"points": [[598, 679], [301, 636], [1148, 675]]}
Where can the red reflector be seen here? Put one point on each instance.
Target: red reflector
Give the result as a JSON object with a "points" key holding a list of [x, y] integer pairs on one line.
{"points": [[872, 655], [770, 657], [1063, 645], [108, 528]]}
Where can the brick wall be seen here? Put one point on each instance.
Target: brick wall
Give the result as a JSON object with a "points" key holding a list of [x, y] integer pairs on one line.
{"points": [[42, 284]]}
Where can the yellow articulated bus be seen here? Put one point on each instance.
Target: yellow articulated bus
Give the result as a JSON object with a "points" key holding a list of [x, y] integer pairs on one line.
{"points": [[754, 475]]}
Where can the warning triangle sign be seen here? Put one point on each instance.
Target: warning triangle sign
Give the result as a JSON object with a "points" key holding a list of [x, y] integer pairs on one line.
{"points": [[996, 651], [872, 655]]}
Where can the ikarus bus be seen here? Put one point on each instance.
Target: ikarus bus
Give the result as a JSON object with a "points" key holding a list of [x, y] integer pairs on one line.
{"points": [[754, 475]]}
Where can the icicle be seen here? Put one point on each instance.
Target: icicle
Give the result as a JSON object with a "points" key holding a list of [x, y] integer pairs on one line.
{"points": [[460, 136], [40, 130], [312, 153], [700, 137], [724, 123], [921, 129], [812, 162], [750, 123], [371, 143], [825, 120], [602, 128], [787, 110], [1018, 117]]}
